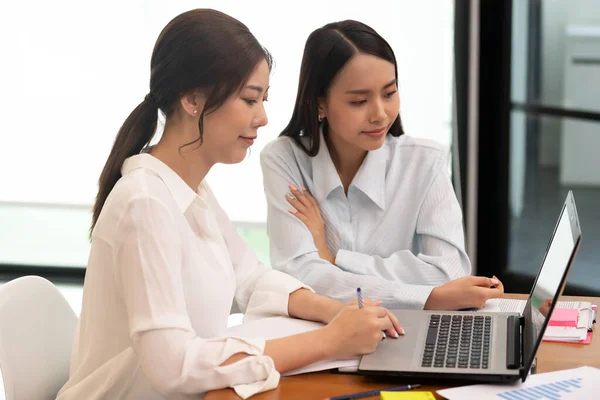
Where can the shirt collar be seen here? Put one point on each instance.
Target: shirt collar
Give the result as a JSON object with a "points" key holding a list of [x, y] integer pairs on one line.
{"points": [[370, 178], [181, 192], [325, 176]]}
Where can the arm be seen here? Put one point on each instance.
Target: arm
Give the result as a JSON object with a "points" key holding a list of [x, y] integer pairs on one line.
{"points": [[293, 250], [173, 358], [440, 229]]}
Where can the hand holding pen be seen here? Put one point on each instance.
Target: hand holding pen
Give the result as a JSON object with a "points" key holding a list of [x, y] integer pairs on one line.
{"points": [[361, 304], [356, 331]]}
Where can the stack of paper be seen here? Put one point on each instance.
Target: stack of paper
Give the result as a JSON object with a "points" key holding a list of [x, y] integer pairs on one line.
{"points": [[571, 320]]}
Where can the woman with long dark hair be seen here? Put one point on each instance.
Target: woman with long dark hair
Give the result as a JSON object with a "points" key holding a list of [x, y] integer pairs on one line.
{"points": [[166, 263], [352, 200]]}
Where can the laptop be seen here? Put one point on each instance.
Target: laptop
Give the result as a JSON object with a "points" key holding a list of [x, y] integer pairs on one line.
{"points": [[481, 346]]}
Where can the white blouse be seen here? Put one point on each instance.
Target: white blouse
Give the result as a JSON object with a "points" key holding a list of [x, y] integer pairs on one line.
{"points": [[164, 268], [396, 235]]}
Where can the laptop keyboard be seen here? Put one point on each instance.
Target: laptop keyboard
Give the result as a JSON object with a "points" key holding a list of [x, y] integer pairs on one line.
{"points": [[461, 341]]}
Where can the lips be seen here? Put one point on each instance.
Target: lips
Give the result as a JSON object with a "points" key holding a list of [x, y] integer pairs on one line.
{"points": [[376, 132], [248, 139]]}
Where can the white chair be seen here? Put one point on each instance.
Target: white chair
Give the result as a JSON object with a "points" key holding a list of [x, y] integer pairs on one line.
{"points": [[36, 332]]}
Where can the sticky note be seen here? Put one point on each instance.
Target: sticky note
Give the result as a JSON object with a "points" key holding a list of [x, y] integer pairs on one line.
{"points": [[564, 317], [407, 395]]}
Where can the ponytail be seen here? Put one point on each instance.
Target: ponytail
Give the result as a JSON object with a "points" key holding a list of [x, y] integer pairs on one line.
{"points": [[135, 133]]}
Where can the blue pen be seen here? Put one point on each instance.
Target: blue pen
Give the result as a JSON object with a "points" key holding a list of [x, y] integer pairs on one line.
{"points": [[359, 298], [374, 392]]}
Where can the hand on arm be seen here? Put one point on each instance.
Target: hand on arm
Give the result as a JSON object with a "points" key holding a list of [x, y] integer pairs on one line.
{"points": [[306, 209]]}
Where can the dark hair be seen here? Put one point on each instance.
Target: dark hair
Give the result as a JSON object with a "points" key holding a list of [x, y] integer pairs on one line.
{"points": [[201, 49], [326, 52]]}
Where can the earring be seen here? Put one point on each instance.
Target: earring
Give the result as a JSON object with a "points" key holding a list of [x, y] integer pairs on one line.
{"points": [[320, 118], [195, 111]]}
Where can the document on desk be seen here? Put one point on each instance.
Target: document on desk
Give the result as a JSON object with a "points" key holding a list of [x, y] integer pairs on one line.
{"points": [[277, 327], [517, 306], [578, 383]]}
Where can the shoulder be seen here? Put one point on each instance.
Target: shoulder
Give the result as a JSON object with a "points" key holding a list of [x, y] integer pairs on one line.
{"points": [[136, 196], [422, 147], [282, 147], [283, 151], [419, 151]]}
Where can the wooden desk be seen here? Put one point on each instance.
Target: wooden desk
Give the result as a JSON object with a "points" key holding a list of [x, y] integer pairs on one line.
{"points": [[320, 385]]}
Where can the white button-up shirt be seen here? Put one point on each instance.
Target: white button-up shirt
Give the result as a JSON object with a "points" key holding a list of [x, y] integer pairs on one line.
{"points": [[396, 235], [164, 268]]}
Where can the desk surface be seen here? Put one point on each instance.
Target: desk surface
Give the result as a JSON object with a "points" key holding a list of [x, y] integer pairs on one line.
{"points": [[320, 385]]}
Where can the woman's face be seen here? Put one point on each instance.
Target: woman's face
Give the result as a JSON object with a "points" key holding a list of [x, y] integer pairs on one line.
{"points": [[362, 102], [232, 128]]}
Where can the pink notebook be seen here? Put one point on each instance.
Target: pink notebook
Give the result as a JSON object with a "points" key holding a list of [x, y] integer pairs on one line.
{"points": [[564, 317]]}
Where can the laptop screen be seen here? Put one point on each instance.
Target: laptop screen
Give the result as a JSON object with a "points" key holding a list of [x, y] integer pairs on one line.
{"points": [[551, 278]]}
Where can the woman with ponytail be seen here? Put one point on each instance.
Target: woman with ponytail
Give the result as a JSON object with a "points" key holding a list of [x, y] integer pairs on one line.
{"points": [[166, 263]]}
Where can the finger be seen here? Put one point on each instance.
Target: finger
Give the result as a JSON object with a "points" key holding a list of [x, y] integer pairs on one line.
{"points": [[300, 196], [385, 324], [371, 303], [484, 281], [395, 324], [380, 312], [293, 200], [300, 216], [309, 197], [489, 293], [500, 285]]}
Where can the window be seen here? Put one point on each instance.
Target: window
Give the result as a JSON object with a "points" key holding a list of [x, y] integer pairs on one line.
{"points": [[77, 69]]}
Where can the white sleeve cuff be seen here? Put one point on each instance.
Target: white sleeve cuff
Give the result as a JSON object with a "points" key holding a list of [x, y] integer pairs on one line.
{"points": [[271, 295], [270, 382]]}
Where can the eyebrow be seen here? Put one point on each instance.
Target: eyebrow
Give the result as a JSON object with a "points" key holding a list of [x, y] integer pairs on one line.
{"points": [[259, 89], [365, 91]]}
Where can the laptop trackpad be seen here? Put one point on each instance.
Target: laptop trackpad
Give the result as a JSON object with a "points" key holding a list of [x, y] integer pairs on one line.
{"points": [[403, 352]]}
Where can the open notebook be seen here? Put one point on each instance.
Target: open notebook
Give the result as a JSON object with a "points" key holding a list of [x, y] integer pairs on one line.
{"points": [[277, 327], [554, 332]]}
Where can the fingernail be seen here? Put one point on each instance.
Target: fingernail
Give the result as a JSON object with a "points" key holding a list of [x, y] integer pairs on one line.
{"points": [[290, 196], [495, 281], [293, 211], [402, 331], [293, 187], [303, 188]]}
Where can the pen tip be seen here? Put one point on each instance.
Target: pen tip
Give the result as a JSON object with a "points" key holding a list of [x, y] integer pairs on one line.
{"points": [[358, 289]]}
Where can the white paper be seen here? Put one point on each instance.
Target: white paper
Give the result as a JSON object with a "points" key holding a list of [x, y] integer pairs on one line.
{"points": [[567, 333], [277, 327], [578, 383], [517, 306]]}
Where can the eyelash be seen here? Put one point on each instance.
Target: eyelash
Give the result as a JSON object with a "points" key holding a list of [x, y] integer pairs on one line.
{"points": [[253, 102], [361, 102]]}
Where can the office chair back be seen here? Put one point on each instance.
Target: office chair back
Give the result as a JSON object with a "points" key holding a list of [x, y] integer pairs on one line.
{"points": [[36, 333]]}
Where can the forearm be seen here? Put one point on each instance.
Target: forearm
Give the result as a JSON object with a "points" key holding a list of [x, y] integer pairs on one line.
{"points": [[304, 304], [328, 280], [297, 351], [402, 266]]}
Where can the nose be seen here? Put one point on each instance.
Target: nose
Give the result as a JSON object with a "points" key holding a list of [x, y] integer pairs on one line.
{"points": [[261, 118], [377, 112]]}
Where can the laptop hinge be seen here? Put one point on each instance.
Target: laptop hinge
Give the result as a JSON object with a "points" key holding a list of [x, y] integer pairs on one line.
{"points": [[514, 343]]}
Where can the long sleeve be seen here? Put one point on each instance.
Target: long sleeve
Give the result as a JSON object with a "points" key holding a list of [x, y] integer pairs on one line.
{"points": [[440, 232], [293, 250], [261, 292], [148, 273]]}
